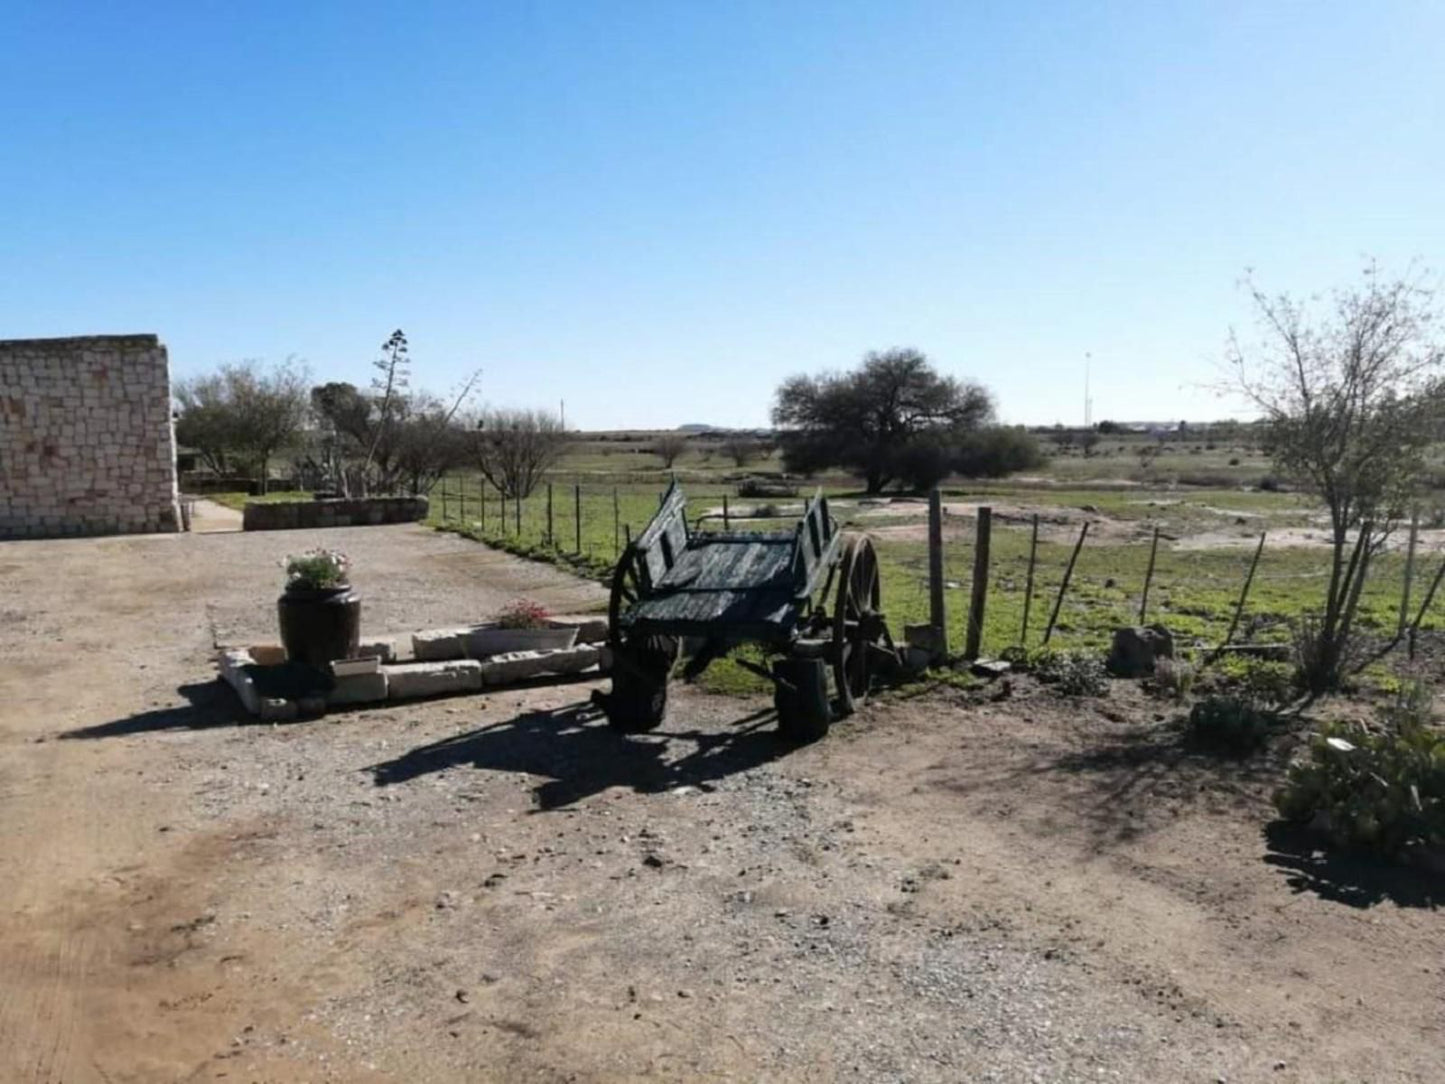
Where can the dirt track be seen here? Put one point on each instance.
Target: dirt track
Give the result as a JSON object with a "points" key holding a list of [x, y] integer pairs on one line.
{"points": [[499, 888]]}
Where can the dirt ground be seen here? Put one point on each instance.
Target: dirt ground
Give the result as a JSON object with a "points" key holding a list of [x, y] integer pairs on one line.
{"points": [[949, 887]]}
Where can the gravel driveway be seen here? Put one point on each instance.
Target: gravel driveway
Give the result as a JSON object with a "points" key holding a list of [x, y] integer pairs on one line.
{"points": [[498, 888]]}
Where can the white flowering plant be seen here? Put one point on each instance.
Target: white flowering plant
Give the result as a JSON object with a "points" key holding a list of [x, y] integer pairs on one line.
{"points": [[317, 570]]}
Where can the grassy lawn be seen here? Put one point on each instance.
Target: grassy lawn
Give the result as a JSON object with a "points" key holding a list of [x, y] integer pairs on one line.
{"points": [[238, 501], [1194, 591]]}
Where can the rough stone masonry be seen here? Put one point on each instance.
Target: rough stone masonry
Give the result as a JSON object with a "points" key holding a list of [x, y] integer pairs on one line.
{"points": [[86, 439]]}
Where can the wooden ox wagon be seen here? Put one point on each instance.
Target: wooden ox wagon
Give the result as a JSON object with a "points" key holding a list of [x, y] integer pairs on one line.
{"points": [[809, 596]]}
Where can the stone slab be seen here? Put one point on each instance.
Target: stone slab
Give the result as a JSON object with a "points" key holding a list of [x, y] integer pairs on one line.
{"points": [[439, 645], [591, 628], [416, 679], [524, 665], [359, 689], [383, 649]]}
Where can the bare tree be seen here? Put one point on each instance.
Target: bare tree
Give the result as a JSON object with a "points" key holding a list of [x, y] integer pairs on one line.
{"points": [[1350, 400], [741, 449], [514, 448], [668, 447]]}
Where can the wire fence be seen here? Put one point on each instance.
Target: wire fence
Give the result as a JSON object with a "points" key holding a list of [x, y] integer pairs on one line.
{"points": [[1048, 579]]}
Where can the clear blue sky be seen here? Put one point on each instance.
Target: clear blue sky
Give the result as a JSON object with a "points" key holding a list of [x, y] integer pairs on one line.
{"points": [[658, 210]]}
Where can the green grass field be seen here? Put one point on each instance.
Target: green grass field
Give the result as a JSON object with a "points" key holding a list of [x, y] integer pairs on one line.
{"points": [[1194, 590]]}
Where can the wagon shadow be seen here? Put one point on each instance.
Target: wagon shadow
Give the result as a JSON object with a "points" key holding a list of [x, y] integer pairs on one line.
{"points": [[580, 755], [208, 704]]}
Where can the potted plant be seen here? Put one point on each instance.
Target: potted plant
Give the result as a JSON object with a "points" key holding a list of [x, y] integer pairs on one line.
{"points": [[320, 614], [520, 626]]}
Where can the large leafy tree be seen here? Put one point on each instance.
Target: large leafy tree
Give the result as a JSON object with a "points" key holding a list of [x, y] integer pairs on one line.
{"points": [[245, 412], [1351, 397], [867, 420]]}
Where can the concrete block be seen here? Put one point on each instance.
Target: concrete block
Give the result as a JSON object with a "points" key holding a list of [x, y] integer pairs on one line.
{"points": [[591, 628], [267, 654], [523, 665], [359, 689], [433, 678], [438, 645], [233, 663], [364, 664]]}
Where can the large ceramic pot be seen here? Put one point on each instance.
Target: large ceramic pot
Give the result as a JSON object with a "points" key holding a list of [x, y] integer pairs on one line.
{"points": [[319, 625]]}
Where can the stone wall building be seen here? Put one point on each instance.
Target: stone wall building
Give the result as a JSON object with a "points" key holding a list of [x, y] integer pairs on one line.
{"points": [[87, 444]]}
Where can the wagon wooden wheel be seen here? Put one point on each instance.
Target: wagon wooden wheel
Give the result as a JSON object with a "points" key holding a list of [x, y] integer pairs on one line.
{"points": [[641, 665], [859, 631]]}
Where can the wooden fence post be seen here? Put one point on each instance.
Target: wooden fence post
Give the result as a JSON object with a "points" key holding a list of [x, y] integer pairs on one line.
{"points": [[482, 496], [980, 583], [577, 514], [726, 523], [1424, 606], [445, 510], [936, 614], [1148, 577], [551, 536], [616, 525], [1243, 594], [1029, 581], [517, 512], [1064, 587], [1409, 572]]}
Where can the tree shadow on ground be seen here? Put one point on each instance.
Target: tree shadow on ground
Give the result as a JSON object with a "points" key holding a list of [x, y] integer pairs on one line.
{"points": [[208, 704], [580, 755], [1340, 877], [1138, 781]]}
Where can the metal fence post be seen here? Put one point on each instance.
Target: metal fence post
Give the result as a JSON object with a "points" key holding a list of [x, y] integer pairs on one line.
{"points": [[977, 603], [936, 614], [1029, 582]]}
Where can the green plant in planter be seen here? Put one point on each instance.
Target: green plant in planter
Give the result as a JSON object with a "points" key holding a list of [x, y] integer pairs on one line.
{"points": [[524, 614], [317, 570]]}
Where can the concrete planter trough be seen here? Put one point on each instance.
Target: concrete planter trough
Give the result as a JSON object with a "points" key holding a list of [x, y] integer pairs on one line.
{"points": [[484, 640], [443, 665]]}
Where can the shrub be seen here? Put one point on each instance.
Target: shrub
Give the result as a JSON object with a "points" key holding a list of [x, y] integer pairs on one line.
{"points": [[1229, 724], [766, 511], [1173, 678], [922, 463], [1073, 673], [995, 452], [523, 614], [1265, 683], [1381, 790], [761, 487]]}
